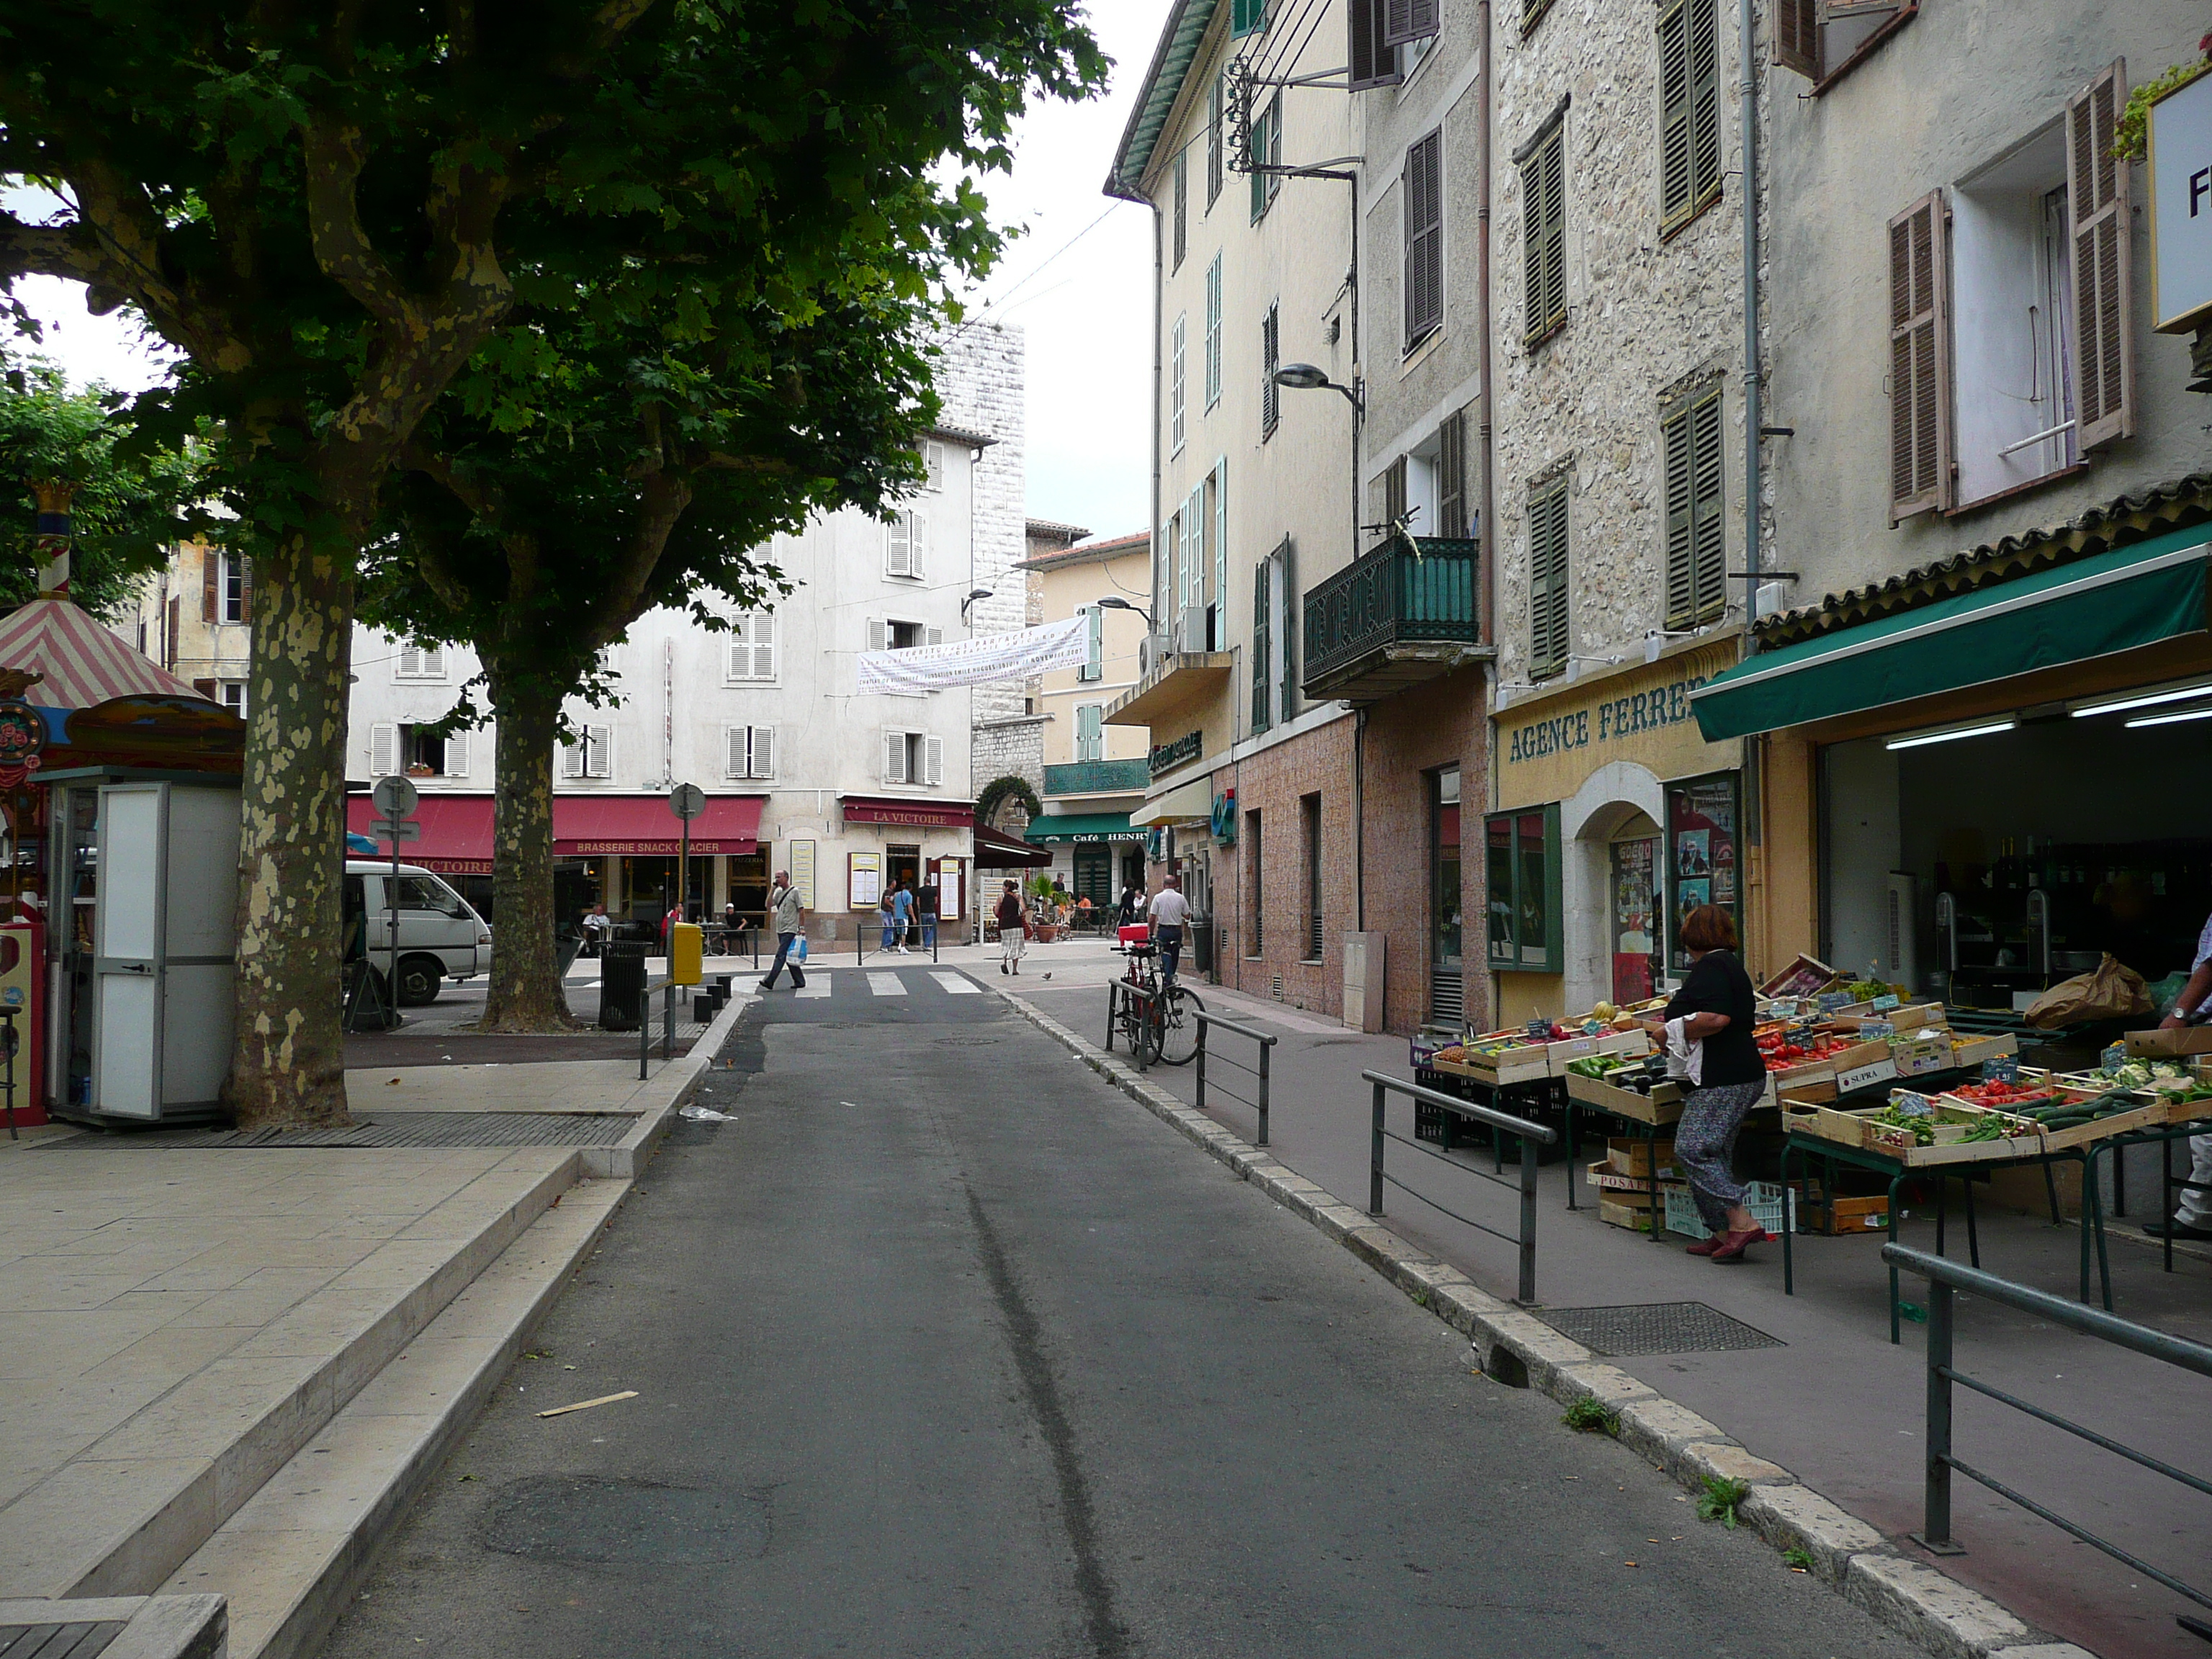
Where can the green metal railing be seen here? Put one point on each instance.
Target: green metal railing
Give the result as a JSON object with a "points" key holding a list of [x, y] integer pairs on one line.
{"points": [[1411, 590]]}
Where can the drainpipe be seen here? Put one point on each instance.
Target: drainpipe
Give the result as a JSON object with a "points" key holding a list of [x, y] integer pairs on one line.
{"points": [[1359, 715], [1159, 276], [1750, 824], [1486, 443]]}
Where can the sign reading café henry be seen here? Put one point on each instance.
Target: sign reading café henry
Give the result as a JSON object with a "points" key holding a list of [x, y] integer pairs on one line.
{"points": [[1547, 746]]}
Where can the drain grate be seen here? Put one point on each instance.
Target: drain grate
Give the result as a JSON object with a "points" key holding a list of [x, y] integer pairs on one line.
{"points": [[387, 1129], [1656, 1327], [77, 1641]]}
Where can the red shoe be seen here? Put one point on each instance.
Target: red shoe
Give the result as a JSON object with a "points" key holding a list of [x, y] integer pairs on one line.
{"points": [[1705, 1246], [1733, 1245]]}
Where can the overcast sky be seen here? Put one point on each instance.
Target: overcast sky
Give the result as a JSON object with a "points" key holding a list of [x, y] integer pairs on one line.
{"points": [[1078, 283]]}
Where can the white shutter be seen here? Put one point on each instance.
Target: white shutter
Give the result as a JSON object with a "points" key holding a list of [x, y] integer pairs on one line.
{"points": [[383, 751], [878, 634], [572, 760], [932, 754], [734, 750], [763, 752], [457, 754], [898, 546], [409, 666], [918, 531], [599, 754], [894, 757], [933, 636], [933, 461], [434, 662], [739, 663], [764, 632]]}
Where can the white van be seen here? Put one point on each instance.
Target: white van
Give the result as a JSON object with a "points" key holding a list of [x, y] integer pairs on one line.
{"points": [[441, 937]]}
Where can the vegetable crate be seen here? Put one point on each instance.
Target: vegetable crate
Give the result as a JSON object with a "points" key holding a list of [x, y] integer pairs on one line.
{"points": [[1846, 1128], [1663, 1105], [1956, 1120], [1508, 1062], [1973, 1050], [1628, 1044], [1765, 1200]]}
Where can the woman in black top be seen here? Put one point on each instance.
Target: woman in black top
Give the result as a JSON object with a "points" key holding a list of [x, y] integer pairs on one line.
{"points": [[1720, 1009]]}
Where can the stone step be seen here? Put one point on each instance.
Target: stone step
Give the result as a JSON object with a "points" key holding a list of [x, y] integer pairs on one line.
{"points": [[292, 1557], [121, 1516]]}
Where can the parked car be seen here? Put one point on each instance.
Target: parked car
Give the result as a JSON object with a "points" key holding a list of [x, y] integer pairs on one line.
{"points": [[441, 937]]}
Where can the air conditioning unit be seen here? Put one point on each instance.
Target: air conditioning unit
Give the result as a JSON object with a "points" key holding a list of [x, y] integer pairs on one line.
{"points": [[1196, 635]]}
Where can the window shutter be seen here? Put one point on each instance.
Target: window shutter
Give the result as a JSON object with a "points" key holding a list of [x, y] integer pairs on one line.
{"points": [[1422, 185], [879, 634], [457, 754], [244, 589], [600, 752], [1797, 36], [434, 662], [1246, 17], [211, 583], [1409, 20], [383, 750], [1451, 476], [2097, 201], [1709, 571], [898, 547], [1094, 649], [410, 664], [762, 760], [764, 632], [1544, 231], [1177, 354], [1705, 103], [1261, 718], [739, 653], [734, 764], [1270, 361], [1674, 169], [1547, 580], [894, 757], [1394, 492], [572, 760], [1374, 61], [1214, 332], [1919, 360], [1220, 481], [1182, 207], [933, 749], [933, 636], [1217, 111]]}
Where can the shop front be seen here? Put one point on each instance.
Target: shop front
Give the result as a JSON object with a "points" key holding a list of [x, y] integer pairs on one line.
{"points": [[1098, 852], [1615, 817], [919, 844], [1981, 793]]}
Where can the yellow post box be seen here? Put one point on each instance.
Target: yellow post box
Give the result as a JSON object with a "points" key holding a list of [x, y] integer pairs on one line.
{"points": [[687, 954]]}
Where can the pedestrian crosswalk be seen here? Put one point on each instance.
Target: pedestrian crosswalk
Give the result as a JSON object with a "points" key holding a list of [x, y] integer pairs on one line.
{"points": [[822, 984]]}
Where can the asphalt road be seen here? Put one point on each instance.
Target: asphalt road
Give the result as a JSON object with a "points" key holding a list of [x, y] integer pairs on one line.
{"points": [[942, 1347]]}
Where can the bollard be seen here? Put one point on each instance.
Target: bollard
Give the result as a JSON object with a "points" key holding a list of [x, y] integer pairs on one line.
{"points": [[1935, 1532], [1375, 1159], [1265, 1049]]}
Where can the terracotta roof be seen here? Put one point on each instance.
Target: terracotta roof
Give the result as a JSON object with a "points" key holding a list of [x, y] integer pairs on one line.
{"points": [[1043, 529], [2148, 512], [1089, 553]]}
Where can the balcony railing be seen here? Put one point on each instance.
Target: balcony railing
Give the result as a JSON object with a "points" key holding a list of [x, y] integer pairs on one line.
{"points": [[1097, 778], [1366, 626]]}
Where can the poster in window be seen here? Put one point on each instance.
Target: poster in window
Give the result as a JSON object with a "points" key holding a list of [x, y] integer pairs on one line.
{"points": [[1635, 896], [864, 880], [1702, 818]]}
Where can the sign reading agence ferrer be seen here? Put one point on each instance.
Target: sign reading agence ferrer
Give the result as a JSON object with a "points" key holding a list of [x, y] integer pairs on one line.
{"points": [[2181, 207], [1548, 745]]}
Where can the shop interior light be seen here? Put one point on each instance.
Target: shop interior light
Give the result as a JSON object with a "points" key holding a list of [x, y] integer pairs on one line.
{"points": [[1926, 737], [2172, 719], [2145, 701]]}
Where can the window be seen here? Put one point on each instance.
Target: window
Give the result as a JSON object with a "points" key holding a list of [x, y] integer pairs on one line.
{"points": [[429, 893], [404, 747], [1547, 578], [227, 596], [1089, 734], [1266, 152], [751, 647], [1217, 111], [1271, 359], [1094, 649], [750, 751], [906, 544], [1703, 816], [933, 463], [1689, 111], [1822, 39], [1214, 332], [1421, 187], [419, 662], [591, 755], [1532, 13], [1310, 820], [914, 757], [1182, 167], [1451, 476], [231, 694], [1271, 598], [1697, 561], [1175, 386], [1246, 17], [888, 634], [1544, 236], [1256, 907], [1523, 865], [1374, 60]]}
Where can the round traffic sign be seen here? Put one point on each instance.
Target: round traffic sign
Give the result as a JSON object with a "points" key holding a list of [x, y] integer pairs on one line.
{"points": [[687, 800], [395, 798]]}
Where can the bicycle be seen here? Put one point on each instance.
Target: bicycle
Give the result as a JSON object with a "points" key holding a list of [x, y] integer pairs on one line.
{"points": [[1159, 1024]]}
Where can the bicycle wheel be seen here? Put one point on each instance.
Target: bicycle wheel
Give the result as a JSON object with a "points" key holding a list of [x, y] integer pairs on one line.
{"points": [[1144, 1028], [1178, 1029]]}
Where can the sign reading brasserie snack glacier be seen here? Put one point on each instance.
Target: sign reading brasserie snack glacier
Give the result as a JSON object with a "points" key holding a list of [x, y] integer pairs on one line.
{"points": [[978, 661], [2181, 206]]}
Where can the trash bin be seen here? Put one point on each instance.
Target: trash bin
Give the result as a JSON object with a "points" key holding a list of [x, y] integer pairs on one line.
{"points": [[1201, 945], [622, 984]]}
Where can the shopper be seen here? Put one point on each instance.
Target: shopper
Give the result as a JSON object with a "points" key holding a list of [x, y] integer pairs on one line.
{"points": [[1013, 929], [1170, 913], [902, 914], [1718, 1010], [883, 915], [927, 900], [2192, 1216], [1132, 905], [788, 917]]}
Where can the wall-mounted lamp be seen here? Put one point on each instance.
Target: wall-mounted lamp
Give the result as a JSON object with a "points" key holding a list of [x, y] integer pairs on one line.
{"points": [[1109, 602], [1309, 377], [978, 594]]}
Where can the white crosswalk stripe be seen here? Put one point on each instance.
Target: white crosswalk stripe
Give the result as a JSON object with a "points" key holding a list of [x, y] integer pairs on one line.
{"points": [[886, 985], [959, 984], [817, 985]]}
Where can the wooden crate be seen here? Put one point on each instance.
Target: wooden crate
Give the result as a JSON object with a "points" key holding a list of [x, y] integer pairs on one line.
{"points": [[1628, 1044], [1620, 1189], [1624, 1215], [1631, 1156], [1663, 1105], [1806, 1079], [1846, 1216], [1522, 1064], [2104, 1128], [1951, 1145], [1973, 1050], [1846, 1128]]}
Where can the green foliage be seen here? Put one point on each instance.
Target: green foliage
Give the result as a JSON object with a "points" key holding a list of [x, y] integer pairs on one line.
{"points": [[995, 794], [1798, 1560], [133, 500], [1590, 1415], [2131, 136], [1718, 1501]]}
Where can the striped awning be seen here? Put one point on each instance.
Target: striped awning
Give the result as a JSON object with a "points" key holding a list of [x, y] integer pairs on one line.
{"points": [[79, 662]]}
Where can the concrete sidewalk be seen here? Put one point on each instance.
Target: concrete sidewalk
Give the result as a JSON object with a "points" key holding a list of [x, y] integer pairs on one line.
{"points": [[1833, 1401]]}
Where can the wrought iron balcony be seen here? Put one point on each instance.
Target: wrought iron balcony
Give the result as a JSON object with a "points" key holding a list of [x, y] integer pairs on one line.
{"points": [[1098, 778], [1408, 612]]}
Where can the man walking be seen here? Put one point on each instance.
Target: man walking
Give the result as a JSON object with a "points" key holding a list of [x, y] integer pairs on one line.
{"points": [[2192, 1216], [902, 915], [1170, 915], [1013, 929], [788, 917]]}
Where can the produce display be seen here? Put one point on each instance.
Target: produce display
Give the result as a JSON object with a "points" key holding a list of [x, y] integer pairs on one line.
{"points": [[1784, 1048], [2004, 1097]]}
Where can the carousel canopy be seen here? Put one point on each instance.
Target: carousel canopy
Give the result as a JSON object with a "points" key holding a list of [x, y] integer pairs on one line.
{"points": [[79, 663]]}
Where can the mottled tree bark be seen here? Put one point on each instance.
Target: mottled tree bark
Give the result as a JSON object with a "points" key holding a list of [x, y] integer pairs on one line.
{"points": [[288, 1061], [526, 992]]}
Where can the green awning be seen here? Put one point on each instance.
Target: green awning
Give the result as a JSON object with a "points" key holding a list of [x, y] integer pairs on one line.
{"points": [[1083, 826], [2139, 595]]}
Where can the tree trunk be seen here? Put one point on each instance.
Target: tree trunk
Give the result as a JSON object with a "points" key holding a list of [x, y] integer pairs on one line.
{"points": [[526, 992], [287, 1054]]}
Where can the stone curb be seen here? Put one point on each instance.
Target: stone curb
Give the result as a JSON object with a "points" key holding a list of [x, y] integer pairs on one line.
{"points": [[1913, 1598], [661, 1095]]}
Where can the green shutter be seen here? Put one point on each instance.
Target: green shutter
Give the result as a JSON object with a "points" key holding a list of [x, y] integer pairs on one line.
{"points": [[1710, 572], [1544, 236], [1675, 189], [1705, 103], [1260, 714], [1681, 529], [1246, 17], [1547, 580]]}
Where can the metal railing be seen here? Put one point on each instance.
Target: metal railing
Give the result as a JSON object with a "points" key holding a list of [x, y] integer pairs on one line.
{"points": [[1120, 991], [1532, 1135], [1410, 589], [1945, 1279], [1206, 1023]]}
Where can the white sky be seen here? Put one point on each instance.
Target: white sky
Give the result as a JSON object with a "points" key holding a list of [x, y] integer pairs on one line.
{"points": [[1086, 315]]}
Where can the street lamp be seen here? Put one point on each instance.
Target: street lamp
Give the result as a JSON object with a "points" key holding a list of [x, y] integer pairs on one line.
{"points": [[1112, 604], [1309, 377], [978, 594]]}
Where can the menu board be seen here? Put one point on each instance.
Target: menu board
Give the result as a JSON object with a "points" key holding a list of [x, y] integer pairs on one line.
{"points": [[1702, 814], [864, 879]]}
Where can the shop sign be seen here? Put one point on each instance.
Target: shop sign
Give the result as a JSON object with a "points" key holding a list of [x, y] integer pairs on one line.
{"points": [[672, 846], [918, 815], [1628, 716], [1644, 716], [2181, 206], [1166, 757]]}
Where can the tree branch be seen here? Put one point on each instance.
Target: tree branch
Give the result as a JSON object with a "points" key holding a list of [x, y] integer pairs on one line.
{"points": [[335, 156]]}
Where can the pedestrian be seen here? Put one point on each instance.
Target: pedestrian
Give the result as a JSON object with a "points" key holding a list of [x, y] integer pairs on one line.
{"points": [[597, 925], [1716, 1014], [926, 907], [788, 917], [1013, 928], [2192, 1216], [1170, 915], [729, 928], [902, 913], [1132, 905]]}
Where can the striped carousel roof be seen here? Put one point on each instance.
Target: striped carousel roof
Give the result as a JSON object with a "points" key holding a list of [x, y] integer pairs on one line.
{"points": [[79, 662]]}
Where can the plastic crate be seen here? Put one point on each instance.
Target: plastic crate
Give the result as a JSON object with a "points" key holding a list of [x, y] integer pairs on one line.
{"points": [[1762, 1198]]}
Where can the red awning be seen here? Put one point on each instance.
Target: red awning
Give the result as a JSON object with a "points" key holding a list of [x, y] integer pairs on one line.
{"points": [[456, 832], [994, 851], [919, 814], [590, 825]]}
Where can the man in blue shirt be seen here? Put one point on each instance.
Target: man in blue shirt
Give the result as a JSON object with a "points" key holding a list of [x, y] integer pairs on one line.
{"points": [[902, 914]]}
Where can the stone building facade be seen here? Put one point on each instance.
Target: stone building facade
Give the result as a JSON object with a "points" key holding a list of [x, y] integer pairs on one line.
{"points": [[1008, 741]]}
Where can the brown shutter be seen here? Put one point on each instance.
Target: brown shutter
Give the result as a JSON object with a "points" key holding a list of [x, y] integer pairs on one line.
{"points": [[1394, 492], [1797, 36], [1409, 20], [244, 589], [211, 583], [1919, 360], [1681, 527], [1422, 187], [206, 689], [2097, 201], [1451, 476], [1374, 63]]}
